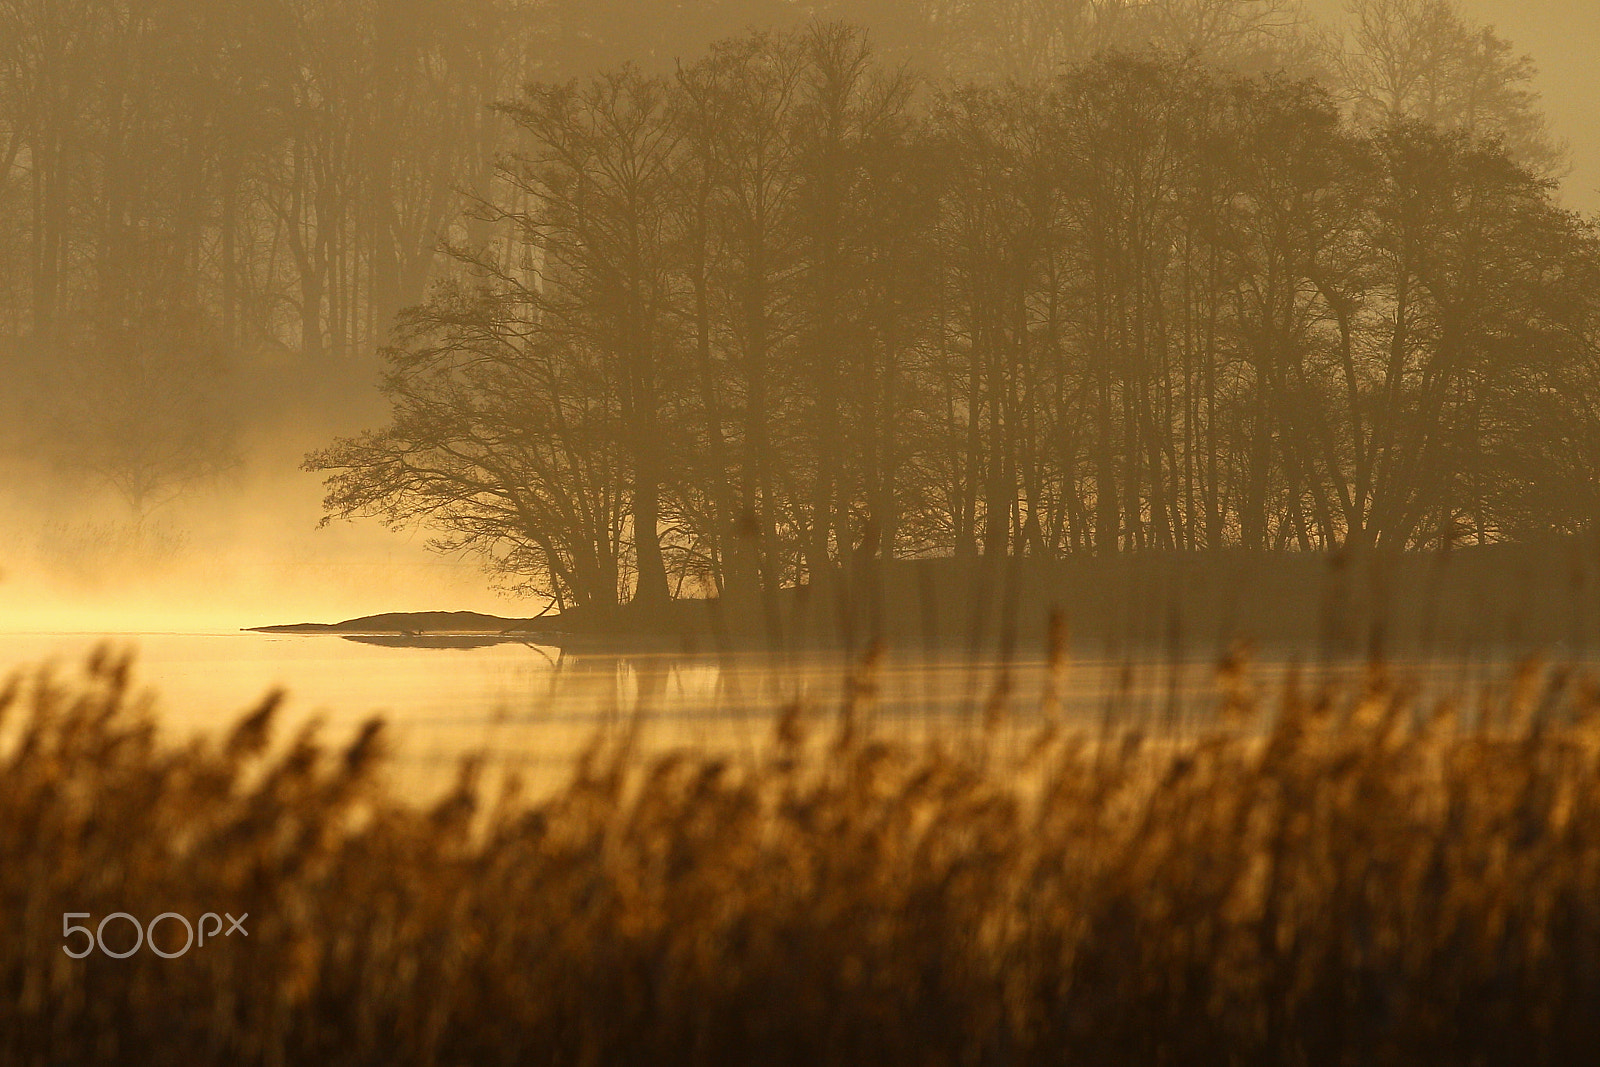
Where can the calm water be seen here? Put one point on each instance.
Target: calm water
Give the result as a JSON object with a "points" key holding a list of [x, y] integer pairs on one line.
{"points": [[534, 708]]}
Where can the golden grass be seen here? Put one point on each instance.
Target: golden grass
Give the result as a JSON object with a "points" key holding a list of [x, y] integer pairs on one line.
{"points": [[1366, 882]]}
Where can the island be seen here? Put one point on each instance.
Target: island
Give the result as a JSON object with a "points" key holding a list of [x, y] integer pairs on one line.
{"points": [[1506, 596]]}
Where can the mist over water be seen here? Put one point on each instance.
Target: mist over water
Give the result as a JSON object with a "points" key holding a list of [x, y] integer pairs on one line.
{"points": [[243, 550]]}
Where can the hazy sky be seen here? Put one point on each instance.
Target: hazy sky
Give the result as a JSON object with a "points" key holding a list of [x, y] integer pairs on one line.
{"points": [[1563, 36]]}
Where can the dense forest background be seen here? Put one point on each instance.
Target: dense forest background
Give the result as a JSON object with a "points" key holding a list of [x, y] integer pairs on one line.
{"points": [[683, 306]]}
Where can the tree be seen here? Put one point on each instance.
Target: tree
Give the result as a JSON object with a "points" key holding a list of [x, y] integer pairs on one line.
{"points": [[1420, 60], [845, 112], [1483, 311], [573, 303], [500, 441], [597, 173], [996, 224], [737, 109]]}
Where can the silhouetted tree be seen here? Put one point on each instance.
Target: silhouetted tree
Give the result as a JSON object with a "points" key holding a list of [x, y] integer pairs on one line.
{"points": [[1421, 60], [502, 441], [778, 315], [595, 174]]}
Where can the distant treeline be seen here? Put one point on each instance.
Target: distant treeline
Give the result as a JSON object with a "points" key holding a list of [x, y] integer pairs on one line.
{"points": [[194, 190], [185, 182], [789, 308]]}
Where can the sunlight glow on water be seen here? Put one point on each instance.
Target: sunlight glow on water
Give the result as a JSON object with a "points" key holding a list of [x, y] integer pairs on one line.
{"points": [[534, 708]]}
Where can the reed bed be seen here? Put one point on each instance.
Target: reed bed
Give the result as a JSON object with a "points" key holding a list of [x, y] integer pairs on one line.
{"points": [[1342, 877]]}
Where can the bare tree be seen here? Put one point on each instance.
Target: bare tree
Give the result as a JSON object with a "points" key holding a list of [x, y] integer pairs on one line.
{"points": [[1421, 60], [500, 441], [597, 172]]}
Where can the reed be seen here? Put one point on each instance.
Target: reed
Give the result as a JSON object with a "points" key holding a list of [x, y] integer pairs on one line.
{"points": [[1363, 880]]}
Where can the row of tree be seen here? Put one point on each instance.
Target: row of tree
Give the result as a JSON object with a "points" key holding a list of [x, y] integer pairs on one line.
{"points": [[787, 308], [187, 185]]}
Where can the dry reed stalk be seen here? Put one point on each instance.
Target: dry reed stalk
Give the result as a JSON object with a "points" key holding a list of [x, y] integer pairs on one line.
{"points": [[1363, 880]]}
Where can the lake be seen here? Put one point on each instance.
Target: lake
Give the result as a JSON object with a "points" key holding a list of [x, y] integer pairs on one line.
{"points": [[534, 708]]}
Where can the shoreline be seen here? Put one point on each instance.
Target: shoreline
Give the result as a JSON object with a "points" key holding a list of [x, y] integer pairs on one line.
{"points": [[1529, 595]]}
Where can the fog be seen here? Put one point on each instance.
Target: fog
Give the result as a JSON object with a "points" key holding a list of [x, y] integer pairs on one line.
{"points": [[212, 214], [1563, 37], [245, 550]]}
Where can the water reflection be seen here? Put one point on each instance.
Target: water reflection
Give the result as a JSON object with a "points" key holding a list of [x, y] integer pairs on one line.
{"points": [[533, 708]]}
